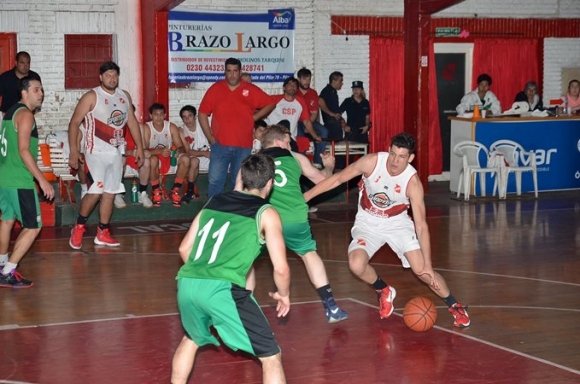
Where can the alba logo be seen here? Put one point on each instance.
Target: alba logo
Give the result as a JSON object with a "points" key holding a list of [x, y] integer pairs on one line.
{"points": [[282, 17]]}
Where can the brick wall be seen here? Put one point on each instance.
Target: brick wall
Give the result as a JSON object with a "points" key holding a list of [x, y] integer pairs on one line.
{"points": [[41, 26]]}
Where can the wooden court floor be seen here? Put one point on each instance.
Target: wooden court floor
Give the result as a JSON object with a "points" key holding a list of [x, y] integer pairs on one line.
{"points": [[104, 315]]}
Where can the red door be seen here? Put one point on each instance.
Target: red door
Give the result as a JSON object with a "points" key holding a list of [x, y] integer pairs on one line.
{"points": [[7, 51]]}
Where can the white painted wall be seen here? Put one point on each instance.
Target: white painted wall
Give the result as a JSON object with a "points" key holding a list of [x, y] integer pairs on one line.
{"points": [[41, 26]]}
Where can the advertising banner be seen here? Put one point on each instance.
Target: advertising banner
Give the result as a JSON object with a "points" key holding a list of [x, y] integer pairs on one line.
{"points": [[556, 144], [201, 41]]}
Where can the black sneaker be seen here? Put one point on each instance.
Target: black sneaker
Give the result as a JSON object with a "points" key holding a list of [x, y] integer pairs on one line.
{"points": [[14, 280], [187, 197]]}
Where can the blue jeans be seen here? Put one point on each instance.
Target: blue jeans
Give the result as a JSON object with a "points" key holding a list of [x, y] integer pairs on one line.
{"points": [[319, 147], [223, 157]]}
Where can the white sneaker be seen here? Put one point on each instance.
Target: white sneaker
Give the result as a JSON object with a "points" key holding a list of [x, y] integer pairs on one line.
{"points": [[145, 200], [119, 201]]}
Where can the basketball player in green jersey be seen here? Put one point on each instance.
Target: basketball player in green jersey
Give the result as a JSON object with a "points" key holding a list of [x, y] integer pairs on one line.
{"points": [[218, 250], [18, 197], [287, 198]]}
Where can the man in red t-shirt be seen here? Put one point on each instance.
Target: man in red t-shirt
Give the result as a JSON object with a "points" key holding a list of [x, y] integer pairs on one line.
{"points": [[310, 97], [234, 106]]}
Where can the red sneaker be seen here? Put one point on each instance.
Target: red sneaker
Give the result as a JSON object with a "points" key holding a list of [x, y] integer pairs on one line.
{"points": [[175, 198], [386, 298], [76, 236], [156, 197], [104, 238], [460, 315]]}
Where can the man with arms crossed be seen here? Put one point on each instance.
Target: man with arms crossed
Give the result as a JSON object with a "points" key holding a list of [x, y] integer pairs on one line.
{"points": [[105, 110], [388, 187], [18, 197], [218, 250]]}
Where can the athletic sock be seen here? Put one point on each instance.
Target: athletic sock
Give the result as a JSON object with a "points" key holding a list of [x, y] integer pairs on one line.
{"points": [[142, 188], [379, 284], [325, 292], [450, 300], [9, 267], [3, 259], [104, 226], [82, 219]]}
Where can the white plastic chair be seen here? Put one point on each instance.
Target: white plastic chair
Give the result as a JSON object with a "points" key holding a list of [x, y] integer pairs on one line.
{"points": [[518, 161], [470, 152]]}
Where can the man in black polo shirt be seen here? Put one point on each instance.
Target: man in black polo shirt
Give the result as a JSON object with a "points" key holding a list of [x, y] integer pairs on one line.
{"points": [[358, 111], [330, 108], [9, 80]]}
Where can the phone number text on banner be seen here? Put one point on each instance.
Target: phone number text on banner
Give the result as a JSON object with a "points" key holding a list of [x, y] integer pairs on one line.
{"points": [[200, 43]]}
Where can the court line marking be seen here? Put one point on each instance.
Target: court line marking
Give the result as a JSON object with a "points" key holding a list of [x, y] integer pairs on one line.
{"points": [[455, 332], [397, 265], [471, 273], [459, 333]]}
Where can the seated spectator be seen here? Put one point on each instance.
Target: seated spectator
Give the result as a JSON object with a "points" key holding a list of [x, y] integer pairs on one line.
{"points": [[259, 128], [310, 97], [531, 96], [196, 147], [480, 96], [572, 98], [292, 110], [161, 138]]}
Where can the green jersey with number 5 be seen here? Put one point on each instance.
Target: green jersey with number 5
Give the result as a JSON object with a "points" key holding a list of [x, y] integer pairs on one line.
{"points": [[286, 195], [14, 172], [228, 239]]}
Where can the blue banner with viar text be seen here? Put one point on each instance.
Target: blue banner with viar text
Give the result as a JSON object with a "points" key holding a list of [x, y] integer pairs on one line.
{"points": [[556, 144]]}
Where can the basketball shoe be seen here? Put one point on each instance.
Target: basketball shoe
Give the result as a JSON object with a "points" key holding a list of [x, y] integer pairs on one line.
{"points": [[14, 280], [175, 198], [460, 315], [119, 201], [333, 313], [104, 238], [76, 236], [144, 199], [157, 197], [386, 298]]}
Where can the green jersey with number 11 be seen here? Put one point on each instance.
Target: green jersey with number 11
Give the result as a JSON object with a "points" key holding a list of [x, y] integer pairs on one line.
{"points": [[228, 238]]}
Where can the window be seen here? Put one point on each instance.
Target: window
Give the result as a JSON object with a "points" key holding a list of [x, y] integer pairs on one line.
{"points": [[83, 55]]}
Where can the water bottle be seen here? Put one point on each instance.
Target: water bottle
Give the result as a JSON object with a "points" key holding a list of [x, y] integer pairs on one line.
{"points": [[134, 192], [567, 109], [173, 155]]}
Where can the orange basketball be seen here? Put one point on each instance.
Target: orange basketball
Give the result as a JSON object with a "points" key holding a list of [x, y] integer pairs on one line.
{"points": [[420, 314]]}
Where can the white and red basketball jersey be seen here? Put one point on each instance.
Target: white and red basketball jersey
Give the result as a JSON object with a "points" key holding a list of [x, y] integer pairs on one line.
{"points": [[160, 139], [382, 195], [195, 140], [104, 124], [293, 111]]}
